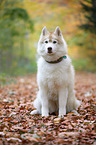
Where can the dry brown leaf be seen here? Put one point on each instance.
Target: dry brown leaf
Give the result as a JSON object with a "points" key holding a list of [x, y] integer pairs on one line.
{"points": [[14, 139], [57, 121], [62, 134]]}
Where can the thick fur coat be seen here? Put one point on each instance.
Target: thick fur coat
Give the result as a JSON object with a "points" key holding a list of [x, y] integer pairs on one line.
{"points": [[55, 78]]}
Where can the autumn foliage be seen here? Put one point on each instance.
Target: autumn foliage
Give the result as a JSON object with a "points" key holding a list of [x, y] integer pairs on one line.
{"points": [[18, 127], [21, 22]]}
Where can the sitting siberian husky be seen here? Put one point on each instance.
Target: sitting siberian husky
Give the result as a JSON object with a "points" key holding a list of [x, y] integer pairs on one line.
{"points": [[55, 76]]}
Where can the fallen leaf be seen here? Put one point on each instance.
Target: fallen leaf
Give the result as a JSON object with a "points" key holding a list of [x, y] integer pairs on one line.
{"points": [[57, 121], [2, 133], [31, 137], [62, 134], [14, 139]]}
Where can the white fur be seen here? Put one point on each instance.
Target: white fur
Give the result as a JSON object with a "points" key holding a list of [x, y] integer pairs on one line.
{"points": [[55, 81]]}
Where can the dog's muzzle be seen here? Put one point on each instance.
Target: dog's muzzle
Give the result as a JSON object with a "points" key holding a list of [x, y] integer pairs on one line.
{"points": [[49, 49]]}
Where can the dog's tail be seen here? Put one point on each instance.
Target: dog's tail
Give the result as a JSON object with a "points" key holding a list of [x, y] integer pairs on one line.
{"points": [[36, 105], [76, 104]]}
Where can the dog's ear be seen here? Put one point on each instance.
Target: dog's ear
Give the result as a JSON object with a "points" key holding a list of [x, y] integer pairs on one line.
{"points": [[58, 31], [44, 31]]}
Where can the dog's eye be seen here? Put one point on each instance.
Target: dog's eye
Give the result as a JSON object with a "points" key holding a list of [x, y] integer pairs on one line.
{"points": [[54, 42], [46, 41]]}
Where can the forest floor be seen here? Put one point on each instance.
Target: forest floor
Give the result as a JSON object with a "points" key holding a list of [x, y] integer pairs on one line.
{"points": [[18, 127]]}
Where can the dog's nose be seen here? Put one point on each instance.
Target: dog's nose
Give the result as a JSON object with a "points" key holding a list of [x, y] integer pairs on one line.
{"points": [[49, 49]]}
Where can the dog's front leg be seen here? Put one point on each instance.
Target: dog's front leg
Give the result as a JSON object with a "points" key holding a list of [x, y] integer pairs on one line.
{"points": [[63, 94], [44, 100], [45, 109]]}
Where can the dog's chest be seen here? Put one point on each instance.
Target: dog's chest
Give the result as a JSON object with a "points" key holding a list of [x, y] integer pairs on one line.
{"points": [[52, 82], [53, 76]]}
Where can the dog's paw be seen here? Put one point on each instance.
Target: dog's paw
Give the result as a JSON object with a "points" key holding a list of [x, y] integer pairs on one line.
{"points": [[34, 112], [45, 115], [62, 113], [45, 112], [75, 112], [61, 116]]}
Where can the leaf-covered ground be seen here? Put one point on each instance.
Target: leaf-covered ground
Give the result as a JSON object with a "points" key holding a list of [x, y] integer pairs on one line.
{"points": [[17, 126]]}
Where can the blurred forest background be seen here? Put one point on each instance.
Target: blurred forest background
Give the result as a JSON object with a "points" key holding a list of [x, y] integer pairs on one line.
{"points": [[21, 22]]}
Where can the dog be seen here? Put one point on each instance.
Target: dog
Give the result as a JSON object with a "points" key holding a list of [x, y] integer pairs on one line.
{"points": [[55, 76]]}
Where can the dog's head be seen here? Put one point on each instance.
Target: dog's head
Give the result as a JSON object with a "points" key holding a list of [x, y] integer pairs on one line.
{"points": [[51, 45]]}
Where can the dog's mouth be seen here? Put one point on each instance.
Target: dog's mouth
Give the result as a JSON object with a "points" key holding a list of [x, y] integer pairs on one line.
{"points": [[50, 53]]}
